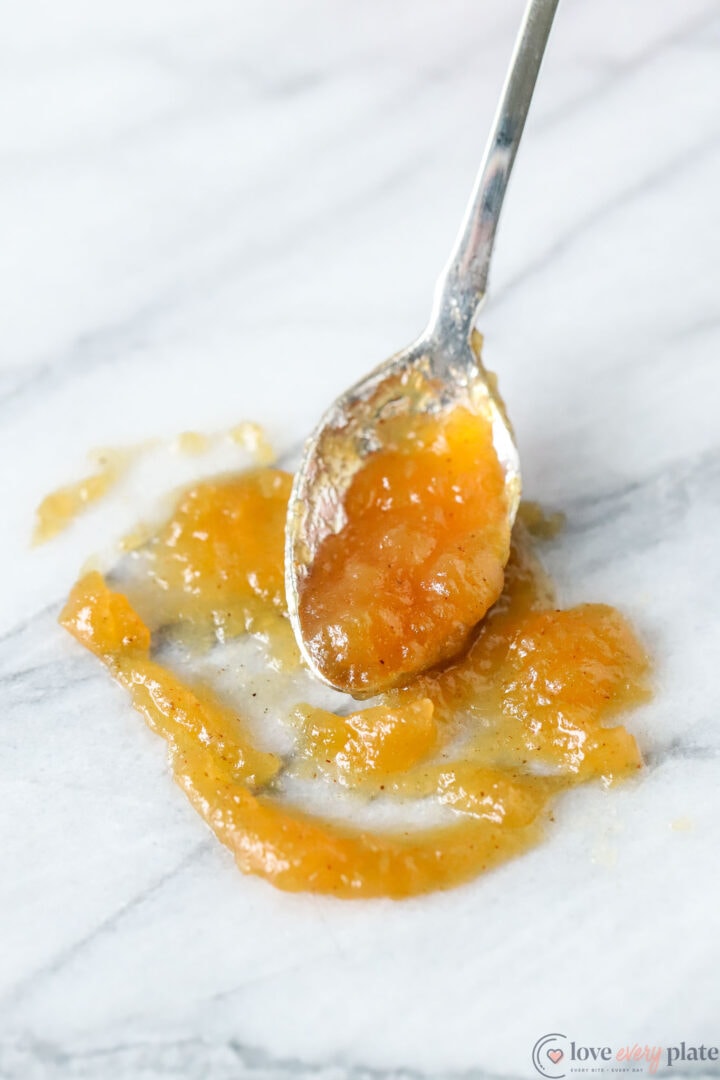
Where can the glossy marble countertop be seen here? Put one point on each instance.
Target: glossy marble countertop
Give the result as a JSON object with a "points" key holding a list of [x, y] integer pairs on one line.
{"points": [[212, 211]]}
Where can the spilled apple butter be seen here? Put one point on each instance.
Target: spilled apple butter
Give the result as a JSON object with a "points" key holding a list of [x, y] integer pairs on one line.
{"points": [[530, 708]]}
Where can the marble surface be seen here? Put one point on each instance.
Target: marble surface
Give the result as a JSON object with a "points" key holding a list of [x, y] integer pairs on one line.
{"points": [[213, 211]]}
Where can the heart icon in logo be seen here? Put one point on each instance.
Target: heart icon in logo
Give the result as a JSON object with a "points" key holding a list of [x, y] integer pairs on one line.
{"points": [[555, 1056]]}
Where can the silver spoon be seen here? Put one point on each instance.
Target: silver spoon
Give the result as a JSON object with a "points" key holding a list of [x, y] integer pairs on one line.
{"points": [[439, 371]]}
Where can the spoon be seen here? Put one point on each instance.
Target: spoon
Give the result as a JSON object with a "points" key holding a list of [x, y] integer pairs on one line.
{"points": [[440, 370]]}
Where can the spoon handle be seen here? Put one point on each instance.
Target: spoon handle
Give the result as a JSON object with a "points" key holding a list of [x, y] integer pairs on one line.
{"points": [[461, 288]]}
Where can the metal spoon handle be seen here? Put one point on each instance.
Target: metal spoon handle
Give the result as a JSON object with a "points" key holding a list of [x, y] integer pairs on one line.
{"points": [[461, 288]]}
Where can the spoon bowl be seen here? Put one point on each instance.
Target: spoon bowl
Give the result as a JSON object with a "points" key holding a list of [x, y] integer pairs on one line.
{"points": [[414, 382]]}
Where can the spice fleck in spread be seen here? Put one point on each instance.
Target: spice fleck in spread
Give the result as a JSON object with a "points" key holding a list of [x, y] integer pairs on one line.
{"points": [[530, 709]]}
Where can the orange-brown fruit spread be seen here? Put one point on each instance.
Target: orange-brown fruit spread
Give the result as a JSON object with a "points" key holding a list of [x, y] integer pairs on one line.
{"points": [[58, 509], [419, 559], [216, 568], [486, 743]]}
